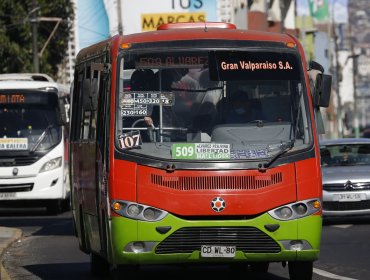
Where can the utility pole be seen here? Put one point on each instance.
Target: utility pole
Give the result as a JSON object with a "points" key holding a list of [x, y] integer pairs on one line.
{"points": [[119, 16], [34, 23], [354, 73], [354, 56], [337, 84]]}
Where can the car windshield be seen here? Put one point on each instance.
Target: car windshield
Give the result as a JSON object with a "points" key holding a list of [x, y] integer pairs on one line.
{"points": [[345, 154]]}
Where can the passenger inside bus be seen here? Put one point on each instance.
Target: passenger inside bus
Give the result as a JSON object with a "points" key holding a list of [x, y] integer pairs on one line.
{"points": [[242, 110], [176, 82]]}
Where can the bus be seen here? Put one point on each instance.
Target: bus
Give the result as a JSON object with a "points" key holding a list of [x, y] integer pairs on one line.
{"points": [[161, 175], [33, 142]]}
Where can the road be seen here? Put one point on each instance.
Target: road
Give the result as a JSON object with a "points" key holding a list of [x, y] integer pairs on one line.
{"points": [[49, 250]]}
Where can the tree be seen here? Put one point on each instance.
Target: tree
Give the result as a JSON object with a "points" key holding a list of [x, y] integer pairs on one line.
{"points": [[16, 34]]}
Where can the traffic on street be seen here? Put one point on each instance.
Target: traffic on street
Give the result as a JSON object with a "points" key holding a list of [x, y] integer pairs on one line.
{"points": [[181, 139]]}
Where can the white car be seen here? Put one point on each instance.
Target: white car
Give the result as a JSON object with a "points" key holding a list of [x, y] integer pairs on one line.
{"points": [[346, 176]]}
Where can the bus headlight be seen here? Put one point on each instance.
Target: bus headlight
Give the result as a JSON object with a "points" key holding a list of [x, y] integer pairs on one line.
{"points": [[284, 212], [51, 164], [296, 210], [133, 210], [137, 211]]}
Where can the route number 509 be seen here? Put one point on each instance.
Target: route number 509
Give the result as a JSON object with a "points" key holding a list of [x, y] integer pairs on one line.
{"points": [[184, 151]]}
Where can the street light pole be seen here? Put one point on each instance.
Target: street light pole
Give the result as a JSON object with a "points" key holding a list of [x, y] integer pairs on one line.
{"points": [[338, 69], [354, 73], [337, 84], [119, 15], [35, 51]]}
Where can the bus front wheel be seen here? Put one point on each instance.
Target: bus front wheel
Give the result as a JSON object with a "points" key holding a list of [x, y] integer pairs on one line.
{"points": [[54, 207], [261, 267], [128, 270], [300, 270], [99, 265]]}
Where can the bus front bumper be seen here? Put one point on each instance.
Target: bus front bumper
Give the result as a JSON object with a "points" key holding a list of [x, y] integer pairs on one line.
{"points": [[175, 240]]}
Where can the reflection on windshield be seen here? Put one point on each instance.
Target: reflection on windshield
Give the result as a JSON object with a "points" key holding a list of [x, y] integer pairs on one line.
{"points": [[30, 128], [167, 108]]}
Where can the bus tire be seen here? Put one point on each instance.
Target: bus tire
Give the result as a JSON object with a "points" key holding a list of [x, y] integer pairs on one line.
{"points": [[98, 265], [261, 267], [66, 204], [54, 207], [82, 239], [128, 270], [301, 270]]}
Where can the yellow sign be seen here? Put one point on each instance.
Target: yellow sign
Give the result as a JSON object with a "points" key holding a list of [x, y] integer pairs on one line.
{"points": [[13, 143], [150, 22]]}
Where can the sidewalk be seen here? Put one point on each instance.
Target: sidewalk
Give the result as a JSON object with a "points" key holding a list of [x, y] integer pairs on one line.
{"points": [[7, 237]]}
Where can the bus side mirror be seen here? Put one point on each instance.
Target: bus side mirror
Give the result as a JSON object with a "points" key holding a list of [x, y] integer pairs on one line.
{"points": [[63, 112], [321, 87], [322, 90]]}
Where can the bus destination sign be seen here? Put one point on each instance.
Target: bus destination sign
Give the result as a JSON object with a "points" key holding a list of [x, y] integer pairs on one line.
{"points": [[14, 98], [171, 60], [29, 97], [244, 65]]}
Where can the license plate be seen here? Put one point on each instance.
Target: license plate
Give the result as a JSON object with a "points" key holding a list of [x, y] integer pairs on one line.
{"points": [[7, 195], [213, 251], [350, 197]]}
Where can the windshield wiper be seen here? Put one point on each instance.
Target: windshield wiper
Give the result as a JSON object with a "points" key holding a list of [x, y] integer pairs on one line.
{"points": [[41, 138], [286, 147]]}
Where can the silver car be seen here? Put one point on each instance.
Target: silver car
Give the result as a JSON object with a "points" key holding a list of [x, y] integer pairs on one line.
{"points": [[346, 176]]}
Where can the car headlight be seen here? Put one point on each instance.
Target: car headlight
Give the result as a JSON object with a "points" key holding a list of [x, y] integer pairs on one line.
{"points": [[137, 211], [296, 210], [51, 164]]}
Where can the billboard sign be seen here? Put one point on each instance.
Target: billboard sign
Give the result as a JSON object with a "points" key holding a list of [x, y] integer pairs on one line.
{"points": [[147, 15]]}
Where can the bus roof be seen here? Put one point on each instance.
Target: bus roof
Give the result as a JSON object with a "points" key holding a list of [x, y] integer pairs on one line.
{"points": [[178, 32], [26, 77], [207, 32], [63, 90]]}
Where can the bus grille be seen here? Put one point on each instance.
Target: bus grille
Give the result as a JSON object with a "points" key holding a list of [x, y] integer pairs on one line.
{"points": [[18, 161], [185, 183], [16, 187], [246, 239]]}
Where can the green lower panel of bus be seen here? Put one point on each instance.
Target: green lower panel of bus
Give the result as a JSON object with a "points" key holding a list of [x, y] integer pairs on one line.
{"points": [[174, 240]]}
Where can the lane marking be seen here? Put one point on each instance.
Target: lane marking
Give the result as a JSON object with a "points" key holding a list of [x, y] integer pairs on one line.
{"points": [[342, 226], [330, 275]]}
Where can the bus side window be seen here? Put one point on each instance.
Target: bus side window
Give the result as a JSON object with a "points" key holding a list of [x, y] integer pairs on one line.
{"points": [[86, 109], [94, 104], [76, 125]]}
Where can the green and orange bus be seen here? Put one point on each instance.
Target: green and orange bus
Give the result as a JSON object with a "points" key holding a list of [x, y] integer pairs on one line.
{"points": [[197, 143]]}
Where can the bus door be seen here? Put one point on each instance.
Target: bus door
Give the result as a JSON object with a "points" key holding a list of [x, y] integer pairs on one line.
{"points": [[88, 156], [100, 87]]}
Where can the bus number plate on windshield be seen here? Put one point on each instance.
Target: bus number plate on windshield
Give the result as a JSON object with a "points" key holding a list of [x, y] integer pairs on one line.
{"points": [[212, 251]]}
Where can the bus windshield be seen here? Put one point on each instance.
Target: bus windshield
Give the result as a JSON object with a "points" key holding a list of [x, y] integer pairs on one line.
{"points": [[212, 105], [29, 123]]}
